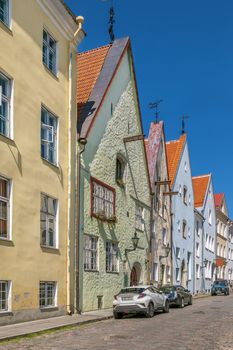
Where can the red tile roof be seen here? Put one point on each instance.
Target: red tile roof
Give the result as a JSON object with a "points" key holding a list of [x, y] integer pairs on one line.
{"points": [[218, 198], [89, 65], [174, 151], [200, 187]]}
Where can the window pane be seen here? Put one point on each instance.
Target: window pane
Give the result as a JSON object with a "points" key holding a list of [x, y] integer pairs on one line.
{"points": [[4, 11], [4, 295], [48, 221]]}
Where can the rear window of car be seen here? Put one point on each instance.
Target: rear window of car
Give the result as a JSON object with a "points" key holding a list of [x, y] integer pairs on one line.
{"points": [[132, 290], [220, 283], [168, 289]]}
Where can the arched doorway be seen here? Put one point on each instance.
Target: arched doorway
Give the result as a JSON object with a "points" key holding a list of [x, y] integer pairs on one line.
{"points": [[135, 274]]}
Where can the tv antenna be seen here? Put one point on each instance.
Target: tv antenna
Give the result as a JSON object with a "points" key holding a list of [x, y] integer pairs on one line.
{"points": [[155, 105], [185, 117], [111, 20]]}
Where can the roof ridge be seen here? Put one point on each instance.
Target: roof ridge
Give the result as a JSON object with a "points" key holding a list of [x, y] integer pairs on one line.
{"points": [[201, 176], [95, 49]]}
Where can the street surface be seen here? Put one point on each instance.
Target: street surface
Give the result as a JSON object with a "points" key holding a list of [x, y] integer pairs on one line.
{"points": [[206, 325]]}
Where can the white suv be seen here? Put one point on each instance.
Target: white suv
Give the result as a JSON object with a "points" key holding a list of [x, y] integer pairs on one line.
{"points": [[139, 299]]}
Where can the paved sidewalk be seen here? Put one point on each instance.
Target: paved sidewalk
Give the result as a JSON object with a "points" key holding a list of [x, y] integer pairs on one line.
{"points": [[25, 328]]}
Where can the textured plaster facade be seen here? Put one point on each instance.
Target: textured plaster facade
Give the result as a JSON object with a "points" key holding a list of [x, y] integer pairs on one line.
{"points": [[23, 261], [104, 143], [183, 248]]}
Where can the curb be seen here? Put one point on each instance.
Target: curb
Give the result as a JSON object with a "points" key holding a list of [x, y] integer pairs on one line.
{"points": [[54, 328]]}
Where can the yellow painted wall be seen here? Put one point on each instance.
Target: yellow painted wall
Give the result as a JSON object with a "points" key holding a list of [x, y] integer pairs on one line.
{"points": [[23, 261]]}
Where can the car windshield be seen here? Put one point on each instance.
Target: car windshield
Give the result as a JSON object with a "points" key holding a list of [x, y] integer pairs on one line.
{"points": [[132, 290], [167, 289], [220, 283]]}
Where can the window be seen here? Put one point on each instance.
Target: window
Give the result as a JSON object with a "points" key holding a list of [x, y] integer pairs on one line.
{"points": [[198, 249], [206, 241], [168, 274], [197, 271], [48, 221], [164, 236], [210, 218], [111, 256], [90, 253], [4, 295], [4, 208], [49, 52], [156, 272], [120, 170], [5, 105], [177, 274], [177, 253], [103, 200], [4, 12], [189, 265], [197, 228], [139, 218], [184, 229], [185, 195], [47, 294], [48, 136]]}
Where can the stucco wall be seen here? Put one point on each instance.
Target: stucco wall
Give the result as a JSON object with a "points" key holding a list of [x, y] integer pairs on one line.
{"points": [[182, 212], [99, 161], [23, 261]]}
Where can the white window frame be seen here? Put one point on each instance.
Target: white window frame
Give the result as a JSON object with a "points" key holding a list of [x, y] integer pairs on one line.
{"points": [[54, 303], [197, 271], [156, 272], [198, 249], [48, 216], [49, 144], [8, 297], [8, 99], [45, 44], [139, 217], [103, 200], [112, 256], [7, 200], [210, 217], [91, 252], [177, 274], [184, 229], [177, 252]]}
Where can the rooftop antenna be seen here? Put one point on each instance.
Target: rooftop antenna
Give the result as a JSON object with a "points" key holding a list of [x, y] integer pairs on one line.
{"points": [[111, 21], [155, 105], [185, 117]]}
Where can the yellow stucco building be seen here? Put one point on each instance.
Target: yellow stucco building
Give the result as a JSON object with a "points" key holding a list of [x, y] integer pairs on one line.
{"points": [[38, 41]]}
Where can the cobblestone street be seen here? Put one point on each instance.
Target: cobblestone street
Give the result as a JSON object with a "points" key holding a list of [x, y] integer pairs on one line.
{"points": [[206, 325]]}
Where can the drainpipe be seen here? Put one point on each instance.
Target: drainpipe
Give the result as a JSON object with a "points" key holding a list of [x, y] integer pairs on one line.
{"points": [[78, 260], [77, 38]]}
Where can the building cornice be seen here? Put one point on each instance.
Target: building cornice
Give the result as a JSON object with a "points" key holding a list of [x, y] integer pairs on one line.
{"points": [[61, 18]]}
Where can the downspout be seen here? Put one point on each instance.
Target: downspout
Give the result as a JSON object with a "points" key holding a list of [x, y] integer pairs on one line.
{"points": [[150, 258], [78, 260], [77, 38]]}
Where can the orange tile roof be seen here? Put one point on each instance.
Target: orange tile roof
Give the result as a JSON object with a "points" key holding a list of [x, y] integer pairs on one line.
{"points": [[89, 65], [174, 152], [200, 186], [218, 198]]}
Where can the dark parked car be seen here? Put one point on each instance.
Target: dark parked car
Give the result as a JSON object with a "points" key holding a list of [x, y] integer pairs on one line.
{"points": [[220, 287], [177, 295]]}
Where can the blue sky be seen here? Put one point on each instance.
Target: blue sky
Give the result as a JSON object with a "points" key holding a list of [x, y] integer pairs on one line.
{"points": [[183, 54]]}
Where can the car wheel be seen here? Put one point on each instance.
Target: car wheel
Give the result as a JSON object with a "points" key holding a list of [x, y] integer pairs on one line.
{"points": [[118, 315], [181, 303], [150, 311], [166, 307], [190, 300]]}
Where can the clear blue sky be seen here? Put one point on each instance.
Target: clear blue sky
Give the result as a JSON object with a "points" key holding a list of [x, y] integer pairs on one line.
{"points": [[183, 53]]}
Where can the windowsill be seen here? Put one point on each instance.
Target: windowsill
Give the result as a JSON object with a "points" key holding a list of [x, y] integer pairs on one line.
{"points": [[7, 139], [48, 309], [6, 313], [103, 218], [113, 272], [48, 249], [5, 27], [53, 75], [48, 163], [86, 270], [6, 242]]}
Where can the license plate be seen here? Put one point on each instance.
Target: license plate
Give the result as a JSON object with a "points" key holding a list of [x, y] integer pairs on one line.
{"points": [[126, 298]]}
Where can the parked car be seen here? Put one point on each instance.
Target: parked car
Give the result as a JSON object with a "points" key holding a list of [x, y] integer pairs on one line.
{"points": [[177, 295], [139, 299], [220, 287]]}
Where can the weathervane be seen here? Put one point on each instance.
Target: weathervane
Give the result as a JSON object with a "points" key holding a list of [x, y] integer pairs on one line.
{"points": [[111, 21], [183, 123], [155, 105]]}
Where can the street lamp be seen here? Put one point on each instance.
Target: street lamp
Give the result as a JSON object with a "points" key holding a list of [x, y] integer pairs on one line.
{"points": [[135, 240]]}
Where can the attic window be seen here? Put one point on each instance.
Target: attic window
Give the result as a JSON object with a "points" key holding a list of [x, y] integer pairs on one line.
{"points": [[185, 194]]}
